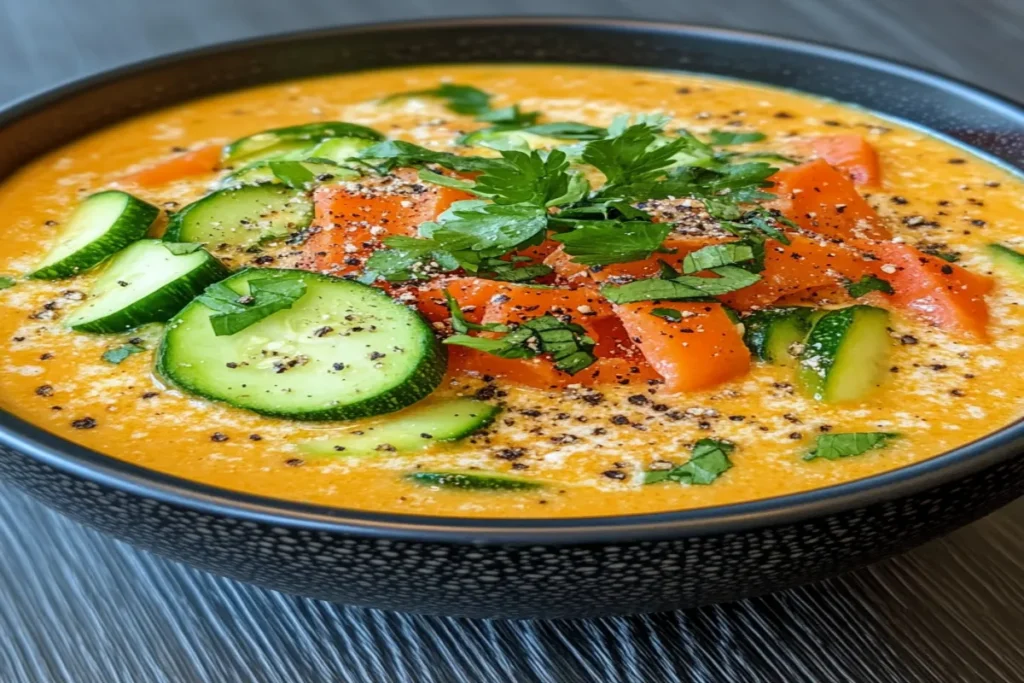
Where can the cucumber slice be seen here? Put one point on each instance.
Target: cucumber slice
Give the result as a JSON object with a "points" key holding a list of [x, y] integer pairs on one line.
{"points": [[410, 430], [263, 172], [846, 354], [1009, 261], [771, 333], [103, 224], [470, 481], [340, 150], [242, 216], [343, 350], [293, 139], [145, 283], [509, 140]]}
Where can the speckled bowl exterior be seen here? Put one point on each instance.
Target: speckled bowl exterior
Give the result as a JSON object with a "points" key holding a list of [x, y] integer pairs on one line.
{"points": [[518, 568]]}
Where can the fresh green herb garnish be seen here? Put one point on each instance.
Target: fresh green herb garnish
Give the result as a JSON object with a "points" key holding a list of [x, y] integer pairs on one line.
{"points": [[670, 314], [459, 322], [182, 248], [117, 355], [7, 282], [234, 312], [566, 130], [567, 343], [531, 178], [710, 459], [511, 116], [599, 243], [630, 158], [867, 284], [725, 137], [461, 99], [508, 271], [835, 446], [292, 173], [395, 153], [730, 279], [716, 256]]}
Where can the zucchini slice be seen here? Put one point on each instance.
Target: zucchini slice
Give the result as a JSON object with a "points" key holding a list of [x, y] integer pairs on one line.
{"points": [[509, 140], [242, 216], [410, 430], [103, 224], [293, 139], [340, 150], [846, 354], [263, 172], [1009, 261], [772, 333], [145, 283], [342, 351], [473, 481]]}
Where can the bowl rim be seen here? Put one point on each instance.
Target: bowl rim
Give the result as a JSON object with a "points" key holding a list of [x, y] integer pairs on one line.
{"points": [[105, 470]]}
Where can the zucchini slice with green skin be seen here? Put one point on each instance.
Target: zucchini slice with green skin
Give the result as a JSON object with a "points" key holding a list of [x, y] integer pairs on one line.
{"points": [[340, 150], [412, 429], [771, 333], [103, 224], [1008, 261], [510, 139], [342, 351], [262, 172], [145, 283], [293, 139], [473, 481], [846, 355], [242, 216]]}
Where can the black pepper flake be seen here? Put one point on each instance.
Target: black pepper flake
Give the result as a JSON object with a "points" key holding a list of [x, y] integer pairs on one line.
{"points": [[908, 340], [323, 331], [150, 394], [84, 423], [44, 390], [619, 420], [896, 199], [659, 407], [520, 466], [599, 431], [46, 356], [796, 436], [737, 418], [295, 462], [947, 270], [255, 437], [376, 355], [510, 453], [825, 428], [638, 400], [338, 367], [593, 398], [231, 364], [531, 412], [263, 260], [977, 222], [614, 474], [485, 393], [219, 437], [957, 392], [956, 161]]}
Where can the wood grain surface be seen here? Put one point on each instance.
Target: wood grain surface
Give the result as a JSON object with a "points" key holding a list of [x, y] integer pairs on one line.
{"points": [[77, 607]]}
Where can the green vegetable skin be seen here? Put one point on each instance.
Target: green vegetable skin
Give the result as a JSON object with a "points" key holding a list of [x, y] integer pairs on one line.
{"points": [[846, 354], [772, 334], [242, 216], [1009, 262], [470, 481], [341, 351], [103, 224], [144, 283], [410, 430], [278, 142]]}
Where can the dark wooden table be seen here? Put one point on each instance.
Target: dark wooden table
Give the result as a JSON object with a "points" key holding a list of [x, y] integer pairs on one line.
{"points": [[77, 607]]}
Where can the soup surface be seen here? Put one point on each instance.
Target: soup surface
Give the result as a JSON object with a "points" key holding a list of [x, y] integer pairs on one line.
{"points": [[664, 410]]}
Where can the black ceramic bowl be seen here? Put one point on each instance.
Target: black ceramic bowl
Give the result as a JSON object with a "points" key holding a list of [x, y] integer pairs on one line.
{"points": [[518, 568]]}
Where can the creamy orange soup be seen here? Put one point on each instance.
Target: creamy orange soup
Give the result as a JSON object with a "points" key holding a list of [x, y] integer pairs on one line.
{"points": [[589, 447]]}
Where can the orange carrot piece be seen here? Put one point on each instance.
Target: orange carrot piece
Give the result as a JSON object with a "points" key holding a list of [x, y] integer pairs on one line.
{"points": [[472, 294], [805, 264], [940, 293], [519, 303], [700, 351], [679, 248], [348, 227], [823, 200], [851, 154], [199, 161]]}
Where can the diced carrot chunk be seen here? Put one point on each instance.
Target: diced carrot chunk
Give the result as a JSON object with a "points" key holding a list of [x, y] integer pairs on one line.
{"points": [[851, 154], [823, 200], [676, 250], [935, 291], [349, 226], [700, 351], [538, 372], [519, 303], [804, 264], [472, 294], [205, 159]]}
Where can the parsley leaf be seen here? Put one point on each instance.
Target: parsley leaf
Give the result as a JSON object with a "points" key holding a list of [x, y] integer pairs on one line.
{"points": [[868, 283], [490, 230], [508, 271], [599, 243], [116, 356], [730, 279], [725, 137], [567, 343], [510, 116], [835, 446], [234, 312], [397, 153], [670, 314], [710, 460], [292, 173], [7, 282], [459, 322], [533, 179], [629, 158], [182, 248], [717, 255], [461, 99]]}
